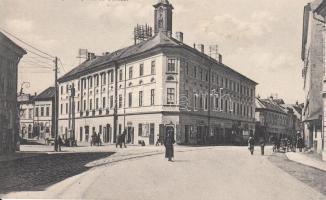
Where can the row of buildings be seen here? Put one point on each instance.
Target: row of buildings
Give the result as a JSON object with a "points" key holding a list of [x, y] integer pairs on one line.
{"points": [[158, 85], [313, 73]]}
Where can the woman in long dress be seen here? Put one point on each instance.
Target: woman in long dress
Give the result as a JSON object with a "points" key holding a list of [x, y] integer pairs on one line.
{"points": [[168, 143]]}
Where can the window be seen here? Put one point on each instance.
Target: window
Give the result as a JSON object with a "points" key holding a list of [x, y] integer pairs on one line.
{"points": [[111, 76], [111, 101], [226, 105], [201, 101], [171, 65], [130, 72], [153, 70], [195, 72], [195, 102], [130, 99], [61, 89], [201, 73], [78, 106], [170, 95], [120, 75], [120, 101], [67, 108], [226, 83], [67, 89], [206, 102], [90, 104], [42, 111], [216, 102], [96, 103], [206, 75], [30, 113], [97, 82], [90, 82], [47, 112], [141, 70], [85, 84], [140, 129], [103, 79], [84, 104], [103, 102], [152, 96], [140, 98], [187, 68]]}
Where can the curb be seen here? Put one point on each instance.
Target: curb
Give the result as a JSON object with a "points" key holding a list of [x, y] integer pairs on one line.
{"points": [[312, 166]]}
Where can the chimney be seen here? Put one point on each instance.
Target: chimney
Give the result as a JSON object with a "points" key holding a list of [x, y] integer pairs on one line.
{"points": [[90, 56], [200, 47], [220, 58], [179, 36]]}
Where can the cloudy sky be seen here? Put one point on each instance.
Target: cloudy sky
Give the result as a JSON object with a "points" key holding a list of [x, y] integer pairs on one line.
{"points": [[259, 38]]}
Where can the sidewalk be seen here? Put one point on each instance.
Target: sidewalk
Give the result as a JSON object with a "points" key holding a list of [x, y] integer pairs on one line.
{"points": [[304, 159]]}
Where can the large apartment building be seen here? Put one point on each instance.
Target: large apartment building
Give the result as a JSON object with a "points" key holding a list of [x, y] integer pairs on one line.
{"points": [[157, 85]]}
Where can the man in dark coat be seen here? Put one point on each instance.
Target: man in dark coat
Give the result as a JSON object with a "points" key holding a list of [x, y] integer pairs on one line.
{"points": [[168, 143], [251, 145], [262, 145], [123, 139]]}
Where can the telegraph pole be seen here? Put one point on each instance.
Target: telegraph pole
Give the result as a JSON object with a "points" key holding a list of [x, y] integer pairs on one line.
{"points": [[56, 103]]}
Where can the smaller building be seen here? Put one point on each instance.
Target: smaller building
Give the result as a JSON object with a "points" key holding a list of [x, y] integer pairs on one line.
{"points": [[275, 120], [44, 114], [26, 109], [37, 115]]}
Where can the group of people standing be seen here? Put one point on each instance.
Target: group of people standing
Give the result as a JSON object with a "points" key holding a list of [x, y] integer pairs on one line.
{"points": [[287, 144]]}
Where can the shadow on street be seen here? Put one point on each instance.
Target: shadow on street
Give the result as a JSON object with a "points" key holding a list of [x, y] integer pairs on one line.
{"points": [[38, 172]]}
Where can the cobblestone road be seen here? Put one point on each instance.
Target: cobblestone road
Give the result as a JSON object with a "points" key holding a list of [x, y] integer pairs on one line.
{"points": [[313, 177]]}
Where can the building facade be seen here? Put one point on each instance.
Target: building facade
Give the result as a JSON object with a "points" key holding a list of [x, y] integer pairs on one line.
{"points": [[26, 118], [312, 73], [272, 120], [320, 13], [44, 114], [155, 86], [10, 55], [37, 115]]}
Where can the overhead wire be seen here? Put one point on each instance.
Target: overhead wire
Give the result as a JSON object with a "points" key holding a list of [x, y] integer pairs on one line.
{"points": [[12, 35]]}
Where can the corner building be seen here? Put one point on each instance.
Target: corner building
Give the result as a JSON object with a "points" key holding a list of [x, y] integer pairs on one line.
{"points": [[158, 84]]}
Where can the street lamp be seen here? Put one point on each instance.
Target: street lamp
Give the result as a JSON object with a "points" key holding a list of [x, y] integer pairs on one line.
{"points": [[22, 86]]}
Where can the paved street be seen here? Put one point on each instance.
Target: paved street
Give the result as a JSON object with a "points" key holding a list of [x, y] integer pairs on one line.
{"points": [[197, 173]]}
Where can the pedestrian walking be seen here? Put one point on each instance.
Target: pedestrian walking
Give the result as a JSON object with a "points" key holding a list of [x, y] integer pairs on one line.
{"points": [[60, 143], [168, 143], [123, 139], [251, 145], [262, 145], [300, 143]]}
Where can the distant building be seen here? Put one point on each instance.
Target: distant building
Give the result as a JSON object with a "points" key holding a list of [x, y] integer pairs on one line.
{"points": [[313, 73], [10, 55], [26, 119], [320, 14], [155, 86], [37, 117], [271, 120]]}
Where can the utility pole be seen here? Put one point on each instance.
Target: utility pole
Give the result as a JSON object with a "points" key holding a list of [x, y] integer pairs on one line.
{"points": [[56, 104]]}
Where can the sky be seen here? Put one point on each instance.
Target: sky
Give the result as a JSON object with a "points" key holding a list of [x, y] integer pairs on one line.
{"points": [[259, 38]]}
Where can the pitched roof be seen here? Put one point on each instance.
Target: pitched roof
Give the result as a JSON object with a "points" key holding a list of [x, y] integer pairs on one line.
{"points": [[4, 38], [270, 105], [47, 94], [159, 40]]}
